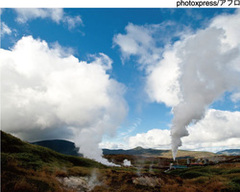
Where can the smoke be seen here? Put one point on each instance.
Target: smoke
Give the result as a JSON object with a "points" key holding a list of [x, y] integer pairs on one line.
{"points": [[191, 73], [93, 180], [48, 94], [127, 163], [86, 183]]}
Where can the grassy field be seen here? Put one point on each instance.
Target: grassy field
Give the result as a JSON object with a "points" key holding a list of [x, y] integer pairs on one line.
{"points": [[194, 154], [30, 168]]}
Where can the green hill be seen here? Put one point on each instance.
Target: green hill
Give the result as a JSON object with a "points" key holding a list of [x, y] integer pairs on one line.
{"points": [[27, 167], [60, 146]]}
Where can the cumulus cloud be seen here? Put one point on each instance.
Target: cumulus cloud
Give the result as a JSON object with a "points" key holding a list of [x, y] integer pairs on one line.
{"points": [[218, 130], [57, 15], [5, 30], [191, 73], [154, 138], [46, 94], [137, 41]]}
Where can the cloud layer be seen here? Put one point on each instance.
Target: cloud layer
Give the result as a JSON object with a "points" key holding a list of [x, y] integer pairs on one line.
{"points": [[46, 94]]}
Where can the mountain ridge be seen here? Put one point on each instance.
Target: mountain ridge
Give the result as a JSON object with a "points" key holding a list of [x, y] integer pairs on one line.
{"points": [[58, 145], [232, 152]]}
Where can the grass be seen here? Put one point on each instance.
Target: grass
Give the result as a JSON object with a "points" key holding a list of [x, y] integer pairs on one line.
{"points": [[192, 154], [223, 179]]}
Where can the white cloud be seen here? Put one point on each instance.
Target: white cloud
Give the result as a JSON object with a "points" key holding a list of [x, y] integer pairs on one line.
{"points": [[113, 145], [5, 29], [56, 15], [141, 41], [26, 14], [155, 138], [46, 94], [137, 40], [72, 22], [218, 130]]}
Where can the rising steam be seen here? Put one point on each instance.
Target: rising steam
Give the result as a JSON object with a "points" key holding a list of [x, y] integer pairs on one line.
{"points": [[208, 68]]}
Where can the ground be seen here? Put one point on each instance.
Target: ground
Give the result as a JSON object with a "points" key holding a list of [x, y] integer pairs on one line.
{"points": [[26, 167]]}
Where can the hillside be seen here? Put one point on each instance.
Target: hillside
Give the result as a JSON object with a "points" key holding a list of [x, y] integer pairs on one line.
{"points": [[26, 167]]}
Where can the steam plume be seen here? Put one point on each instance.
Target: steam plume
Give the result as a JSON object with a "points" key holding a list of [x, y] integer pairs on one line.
{"points": [[127, 163], [208, 68]]}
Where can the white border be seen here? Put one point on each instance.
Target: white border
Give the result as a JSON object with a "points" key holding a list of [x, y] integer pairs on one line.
{"points": [[87, 3]]}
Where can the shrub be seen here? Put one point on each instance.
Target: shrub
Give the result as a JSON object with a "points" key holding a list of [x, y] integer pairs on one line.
{"points": [[192, 174]]}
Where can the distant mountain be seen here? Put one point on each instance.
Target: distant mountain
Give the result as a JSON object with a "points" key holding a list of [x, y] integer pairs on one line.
{"points": [[60, 146], [68, 148], [231, 152], [159, 153], [135, 151]]}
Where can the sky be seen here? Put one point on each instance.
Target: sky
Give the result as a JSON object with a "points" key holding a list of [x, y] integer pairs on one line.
{"points": [[122, 77]]}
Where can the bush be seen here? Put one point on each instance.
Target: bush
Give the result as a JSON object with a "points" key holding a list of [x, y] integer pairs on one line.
{"points": [[192, 174], [236, 170]]}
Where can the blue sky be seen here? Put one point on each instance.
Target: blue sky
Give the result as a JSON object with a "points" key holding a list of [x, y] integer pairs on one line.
{"points": [[84, 33]]}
